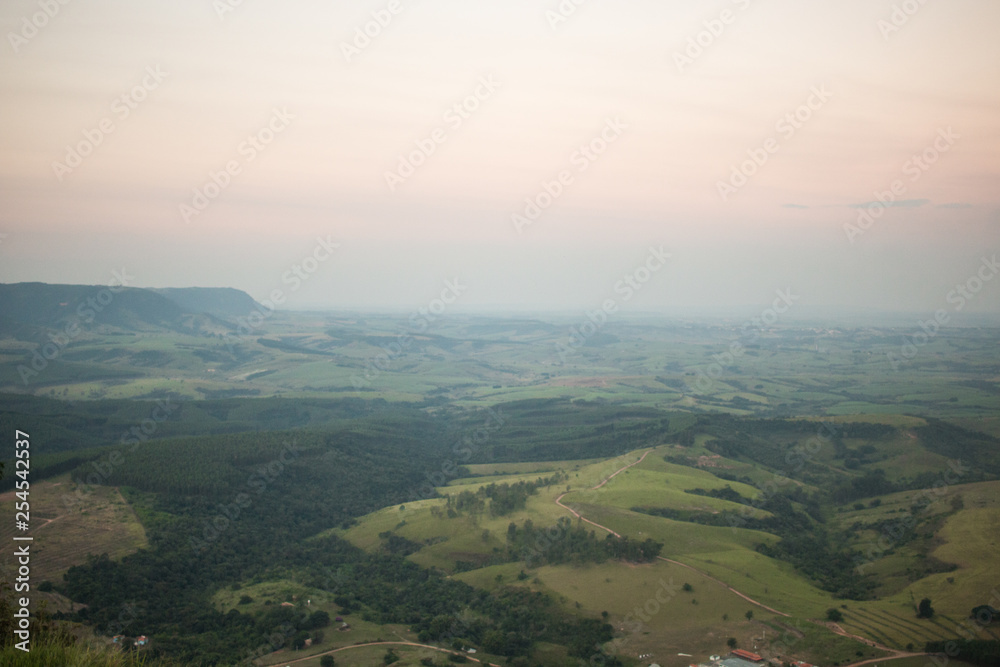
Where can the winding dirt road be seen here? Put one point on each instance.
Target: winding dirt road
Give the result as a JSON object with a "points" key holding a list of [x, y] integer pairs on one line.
{"points": [[348, 648], [833, 627], [597, 486], [675, 562]]}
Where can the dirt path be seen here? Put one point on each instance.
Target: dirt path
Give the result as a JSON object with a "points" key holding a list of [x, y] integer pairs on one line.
{"points": [[622, 469], [893, 653], [833, 627], [348, 648], [727, 586], [895, 656], [597, 486], [675, 562]]}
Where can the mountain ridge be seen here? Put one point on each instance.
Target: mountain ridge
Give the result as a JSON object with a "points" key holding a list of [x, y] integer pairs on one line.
{"points": [[29, 309]]}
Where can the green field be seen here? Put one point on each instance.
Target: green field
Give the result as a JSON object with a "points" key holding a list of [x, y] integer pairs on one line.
{"points": [[483, 361], [480, 403], [726, 554]]}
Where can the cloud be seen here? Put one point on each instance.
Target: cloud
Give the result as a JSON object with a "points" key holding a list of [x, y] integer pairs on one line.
{"points": [[955, 205], [793, 206], [902, 203]]}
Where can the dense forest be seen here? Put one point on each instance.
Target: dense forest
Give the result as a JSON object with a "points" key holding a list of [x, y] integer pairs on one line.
{"points": [[207, 501], [504, 498], [247, 502]]}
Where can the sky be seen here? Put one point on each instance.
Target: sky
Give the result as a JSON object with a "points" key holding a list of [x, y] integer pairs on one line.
{"points": [[360, 154]]}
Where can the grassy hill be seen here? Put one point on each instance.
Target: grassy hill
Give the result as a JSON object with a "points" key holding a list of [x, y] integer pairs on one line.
{"points": [[422, 503], [717, 553]]}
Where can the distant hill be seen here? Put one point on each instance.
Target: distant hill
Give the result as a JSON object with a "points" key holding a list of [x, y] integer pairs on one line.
{"points": [[27, 310], [219, 301]]}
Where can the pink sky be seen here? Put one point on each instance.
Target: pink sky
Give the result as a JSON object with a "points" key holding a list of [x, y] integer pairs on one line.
{"points": [[345, 121]]}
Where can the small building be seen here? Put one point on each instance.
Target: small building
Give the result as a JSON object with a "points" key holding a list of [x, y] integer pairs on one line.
{"points": [[746, 655], [141, 640], [287, 604], [117, 639], [736, 662]]}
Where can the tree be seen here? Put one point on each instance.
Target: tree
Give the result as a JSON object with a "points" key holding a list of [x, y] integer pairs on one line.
{"points": [[732, 643], [327, 661], [925, 610], [749, 614], [833, 614], [494, 642], [687, 588], [318, 619], [390, 657]]}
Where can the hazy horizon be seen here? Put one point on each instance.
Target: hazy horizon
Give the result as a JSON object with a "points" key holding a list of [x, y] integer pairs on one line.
{"points": [[364, 172]]}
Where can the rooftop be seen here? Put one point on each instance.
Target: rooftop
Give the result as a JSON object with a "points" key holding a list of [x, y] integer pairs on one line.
{"points": [[746, 655]]}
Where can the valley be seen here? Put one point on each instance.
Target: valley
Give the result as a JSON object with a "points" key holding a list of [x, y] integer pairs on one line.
{"points": [[325, 486]]}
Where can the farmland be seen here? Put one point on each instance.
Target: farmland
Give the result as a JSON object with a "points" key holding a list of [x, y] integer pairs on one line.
{"points": [[478, 475]]}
